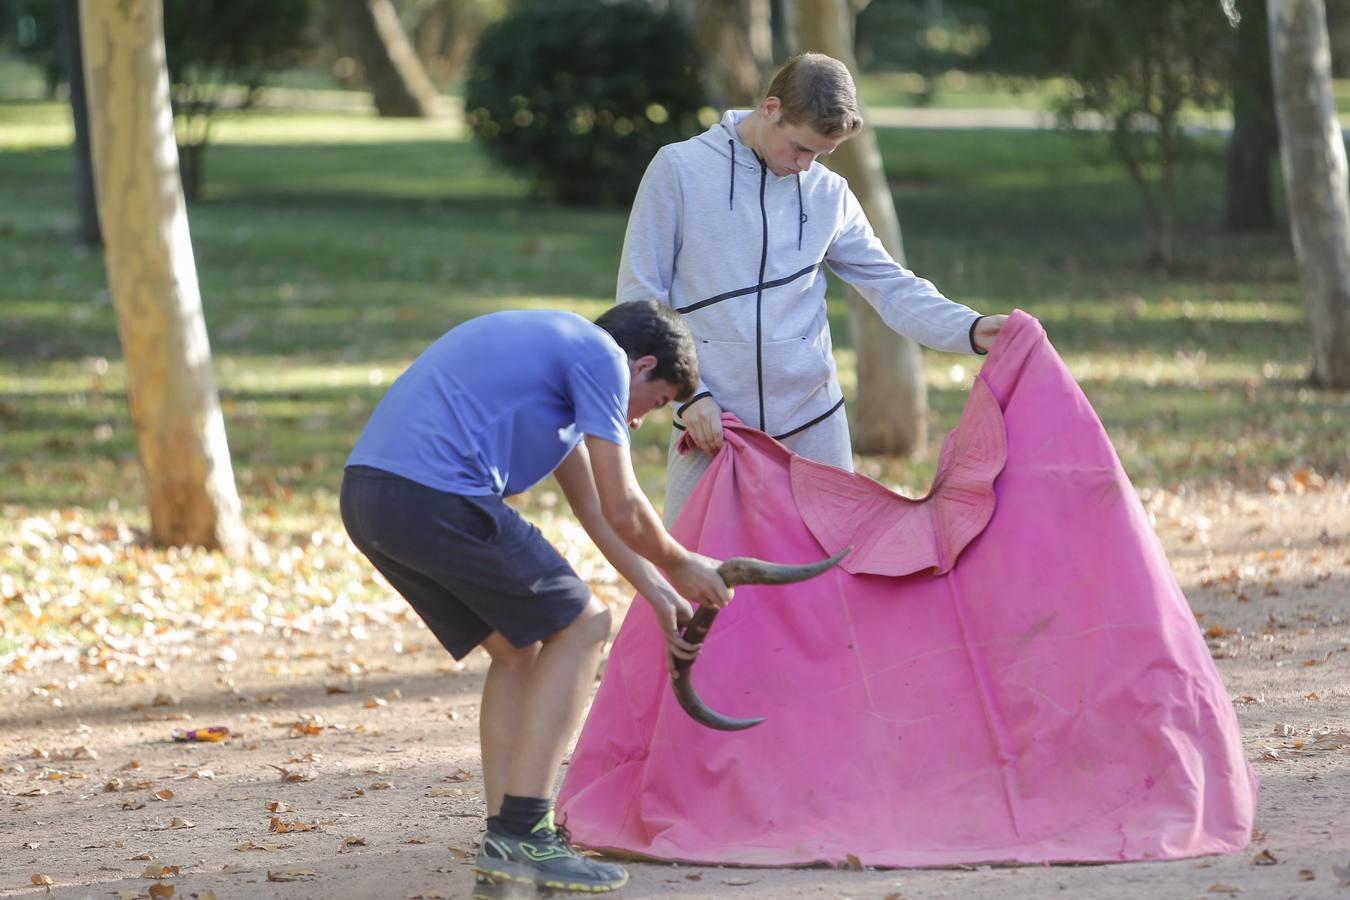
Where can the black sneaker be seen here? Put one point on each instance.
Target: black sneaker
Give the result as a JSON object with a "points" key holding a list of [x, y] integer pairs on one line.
{"points": [[546, 859]]}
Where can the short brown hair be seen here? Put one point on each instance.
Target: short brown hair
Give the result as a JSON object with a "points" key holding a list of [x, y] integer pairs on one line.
{"points": [[818, 91], [652, 328]]}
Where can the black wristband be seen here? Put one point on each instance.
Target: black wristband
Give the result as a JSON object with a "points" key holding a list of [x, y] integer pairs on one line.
{"points": [[679, 410], [974, 346]]}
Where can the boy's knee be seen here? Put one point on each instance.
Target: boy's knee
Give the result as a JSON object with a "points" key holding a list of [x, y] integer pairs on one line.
{"points": [[503, 652], [593, 625]]}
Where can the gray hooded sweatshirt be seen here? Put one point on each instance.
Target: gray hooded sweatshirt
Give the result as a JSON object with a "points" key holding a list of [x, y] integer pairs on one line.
{"points": [[741, 252]]}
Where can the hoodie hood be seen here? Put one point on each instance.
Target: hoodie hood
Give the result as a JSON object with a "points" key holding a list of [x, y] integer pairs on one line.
{"points": [[726, 142]]}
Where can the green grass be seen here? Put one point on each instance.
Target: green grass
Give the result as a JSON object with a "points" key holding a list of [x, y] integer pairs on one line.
{"points": [[961, 90], [953, 90], [332, 248]]}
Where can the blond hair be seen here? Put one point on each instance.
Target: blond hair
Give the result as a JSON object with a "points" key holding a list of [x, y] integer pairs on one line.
{"points": [[818, 91]]}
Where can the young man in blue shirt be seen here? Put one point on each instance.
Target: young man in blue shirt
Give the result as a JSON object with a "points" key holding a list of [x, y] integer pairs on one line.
{"points": [[489, 410]]}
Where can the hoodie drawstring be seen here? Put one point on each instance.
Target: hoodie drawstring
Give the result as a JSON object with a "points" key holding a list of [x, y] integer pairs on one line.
{"points": [[801, 213], [731, 195]]}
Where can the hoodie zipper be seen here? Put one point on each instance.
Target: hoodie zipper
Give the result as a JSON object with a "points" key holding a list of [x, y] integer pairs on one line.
{"points": [[759, 290]]}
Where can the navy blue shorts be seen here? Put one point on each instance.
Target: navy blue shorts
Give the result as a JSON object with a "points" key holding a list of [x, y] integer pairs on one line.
{"points": [[468, 565]]}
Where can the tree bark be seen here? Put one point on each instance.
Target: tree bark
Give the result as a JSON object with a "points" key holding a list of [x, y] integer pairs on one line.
{"points": [[1312, 148], [68, 12], [736, 37], [890, 413], [444, 37], [399, 86], [1256, 138], [180, 432]]}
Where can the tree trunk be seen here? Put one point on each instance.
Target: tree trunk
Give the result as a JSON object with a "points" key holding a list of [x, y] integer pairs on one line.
{"points": [[1255, 139], [445, 36], [736, 37], [192, 170], [180, 433], [1312, 148], [68, 12], [890, 413], [398, 84]]}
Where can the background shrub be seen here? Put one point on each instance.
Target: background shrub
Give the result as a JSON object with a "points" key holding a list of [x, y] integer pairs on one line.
{"points": [[580, 95]]}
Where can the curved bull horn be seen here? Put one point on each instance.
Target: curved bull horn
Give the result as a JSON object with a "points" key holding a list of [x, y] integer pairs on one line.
{"points": [[736, 571]]}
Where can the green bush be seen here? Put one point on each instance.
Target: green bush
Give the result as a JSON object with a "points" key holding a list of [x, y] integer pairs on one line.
{"points": [[579, 96]]}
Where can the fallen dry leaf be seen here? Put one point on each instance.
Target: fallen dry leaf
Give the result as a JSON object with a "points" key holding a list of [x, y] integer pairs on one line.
{"points": [[179, 822], [309, 726], [294, 776], [291, 874], [353, 841], [281, 827], [738, 882], [1307, 875], [163, 794], [851, 863], [161, 871], [1221, 888], [1331, 740], [254, 845], [159, 890], [1265, 858], [43, 880], [278, 806]]}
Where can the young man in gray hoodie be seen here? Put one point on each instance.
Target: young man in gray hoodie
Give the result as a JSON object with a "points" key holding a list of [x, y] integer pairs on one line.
{"points": [[734, 229]]}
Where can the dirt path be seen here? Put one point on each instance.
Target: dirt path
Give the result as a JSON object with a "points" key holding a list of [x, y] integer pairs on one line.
{"points": [[363, 731]]}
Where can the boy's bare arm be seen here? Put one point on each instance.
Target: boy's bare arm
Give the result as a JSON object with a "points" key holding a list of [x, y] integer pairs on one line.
{"points": [[629, 513], [578, 486]]}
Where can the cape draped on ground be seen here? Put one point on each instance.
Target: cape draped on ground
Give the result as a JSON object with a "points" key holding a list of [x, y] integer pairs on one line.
{"points": [[1005, 671]]}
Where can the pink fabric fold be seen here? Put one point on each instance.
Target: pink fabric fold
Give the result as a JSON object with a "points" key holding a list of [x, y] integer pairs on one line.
{"points": [[1012, 676], [894, 535]]}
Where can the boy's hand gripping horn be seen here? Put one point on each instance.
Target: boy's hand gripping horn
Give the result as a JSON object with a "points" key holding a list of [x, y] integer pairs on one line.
{"points": [[736, 571]]}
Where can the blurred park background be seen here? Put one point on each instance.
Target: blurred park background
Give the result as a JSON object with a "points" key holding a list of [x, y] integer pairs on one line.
{"points": [[361, 176]]}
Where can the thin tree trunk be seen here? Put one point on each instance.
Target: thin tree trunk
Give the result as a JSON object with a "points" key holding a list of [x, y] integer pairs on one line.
{"points": [[68, 12], [445, 35], [736, 37], [890, 413], [180, 433], [399, 85], [1255, 139], [1312, 148]]}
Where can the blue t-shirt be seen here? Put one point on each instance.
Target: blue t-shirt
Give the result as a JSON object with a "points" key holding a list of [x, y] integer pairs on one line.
{"points": [[498, 402]]}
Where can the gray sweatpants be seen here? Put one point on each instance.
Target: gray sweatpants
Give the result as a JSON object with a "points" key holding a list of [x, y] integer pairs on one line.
{"points": [[826, 442]]}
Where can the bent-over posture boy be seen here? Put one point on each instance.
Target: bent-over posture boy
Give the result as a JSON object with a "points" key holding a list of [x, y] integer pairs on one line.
{"points": [[488, 411]]}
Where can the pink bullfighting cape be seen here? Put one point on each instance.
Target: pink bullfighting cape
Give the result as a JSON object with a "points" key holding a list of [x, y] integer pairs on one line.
{"points": [[1006, 670]]}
